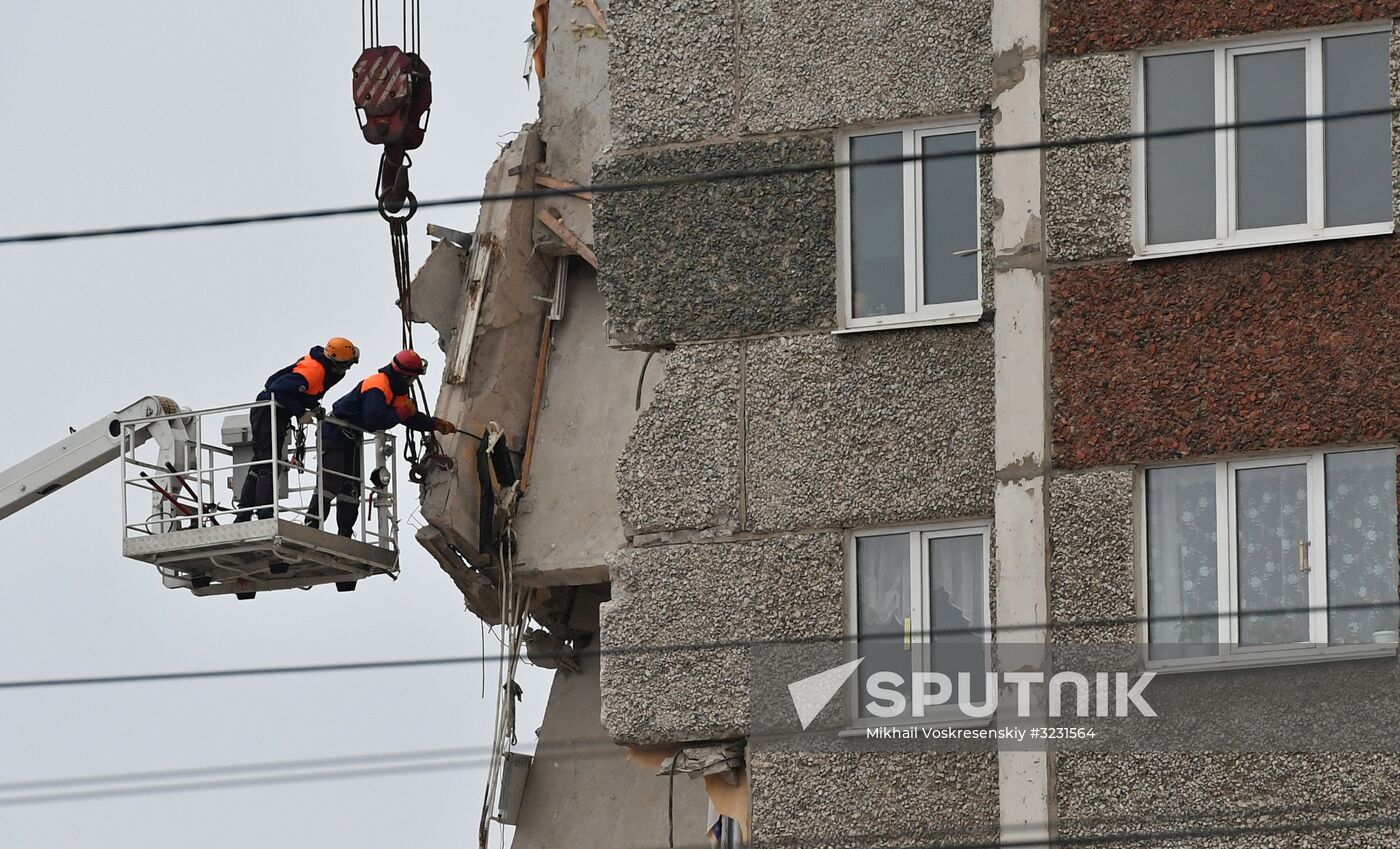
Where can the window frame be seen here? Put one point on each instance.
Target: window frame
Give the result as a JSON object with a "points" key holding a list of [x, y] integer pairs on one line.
{"points": [[1227, 235], [1318, 647], [919, 537], [912, 132]]}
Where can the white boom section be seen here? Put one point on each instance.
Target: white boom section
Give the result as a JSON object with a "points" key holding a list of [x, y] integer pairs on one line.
{"points": [[83, 452]]}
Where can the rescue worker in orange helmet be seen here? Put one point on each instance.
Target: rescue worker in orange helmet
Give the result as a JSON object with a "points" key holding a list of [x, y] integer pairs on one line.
{"points": [[380, 402], [297, 390]]}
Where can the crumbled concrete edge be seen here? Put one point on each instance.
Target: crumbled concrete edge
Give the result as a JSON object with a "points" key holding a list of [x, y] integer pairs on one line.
{"points": [[1088, 189]]}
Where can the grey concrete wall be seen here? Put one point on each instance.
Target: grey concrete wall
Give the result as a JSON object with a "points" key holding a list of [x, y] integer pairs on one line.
{"points": [[873, 799], [815, 431], [1117, 793], [583, 791], [680, 469], [826, 63], [1088, 189], [708, 593], [719, 259], [672, 65], [868, 429], [569, 519], [1092, 563], [706, 69]]}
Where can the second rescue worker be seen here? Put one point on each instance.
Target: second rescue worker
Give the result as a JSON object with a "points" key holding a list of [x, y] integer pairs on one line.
{"points": [[380, 402]]}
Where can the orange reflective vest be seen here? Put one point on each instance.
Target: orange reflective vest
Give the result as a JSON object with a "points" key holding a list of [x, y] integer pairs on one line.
{"points": [[314, 373]]}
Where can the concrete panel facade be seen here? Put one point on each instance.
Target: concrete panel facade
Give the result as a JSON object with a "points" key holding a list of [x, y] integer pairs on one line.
{"points": [[869, 429], [673, 66], [1214, 354], [874, 799], [829, 65], [1088, 190], [657, 688], [719, 259], [1149, 792], [1093, 562], [680, 469], [1092, 26]]}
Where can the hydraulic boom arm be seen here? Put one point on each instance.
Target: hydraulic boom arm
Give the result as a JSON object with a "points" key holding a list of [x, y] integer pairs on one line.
{"points": [[82, 452]]}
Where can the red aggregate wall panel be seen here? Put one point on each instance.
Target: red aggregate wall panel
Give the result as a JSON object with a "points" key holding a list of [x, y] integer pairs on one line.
{"points": [[1255, 350], [1091, 26]]}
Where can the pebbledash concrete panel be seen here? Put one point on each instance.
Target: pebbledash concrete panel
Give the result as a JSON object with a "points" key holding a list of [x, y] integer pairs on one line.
{"points": [[242, 557], [1092, 566], [873, 799], [1088, 189], [1093, 26], [672, 67], [676, 662], [719, 259], [1261, 350], [1145, 792], [680, 469], [869, 428], [826, 63]]}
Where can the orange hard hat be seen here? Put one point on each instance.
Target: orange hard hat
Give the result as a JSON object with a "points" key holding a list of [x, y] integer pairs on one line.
{"points": [[342, 351], [408, 362]]}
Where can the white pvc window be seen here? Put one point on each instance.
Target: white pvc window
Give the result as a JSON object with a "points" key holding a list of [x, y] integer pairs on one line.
{"points": [[1272, 557], [920, 603], [1271, 184], [909, 231]]}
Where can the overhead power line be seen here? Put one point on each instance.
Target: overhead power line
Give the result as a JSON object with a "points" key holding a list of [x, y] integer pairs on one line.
{"points": [[678, 180], [232, 783], [237, 769], [595, 651]]}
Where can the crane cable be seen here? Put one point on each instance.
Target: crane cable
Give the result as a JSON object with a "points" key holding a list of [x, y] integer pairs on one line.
{"points": [[421, 450]]}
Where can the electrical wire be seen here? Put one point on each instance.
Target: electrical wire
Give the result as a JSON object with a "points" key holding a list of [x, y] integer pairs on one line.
{"points": [[234, 769], [678, 180], [599, 651], [231, 783]]}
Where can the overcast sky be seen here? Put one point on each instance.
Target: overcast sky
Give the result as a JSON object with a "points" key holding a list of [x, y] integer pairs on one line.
{"points": [[122, 113]]}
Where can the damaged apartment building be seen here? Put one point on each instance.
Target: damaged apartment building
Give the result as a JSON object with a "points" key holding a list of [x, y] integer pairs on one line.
{"points": [[1150, 383]]}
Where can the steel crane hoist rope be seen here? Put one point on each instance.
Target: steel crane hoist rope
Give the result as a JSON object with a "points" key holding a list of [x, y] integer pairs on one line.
{"points": [[393, 94]]}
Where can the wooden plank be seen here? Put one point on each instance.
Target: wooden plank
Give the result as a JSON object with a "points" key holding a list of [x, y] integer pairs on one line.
{"points": [[544, 181], [551, 220], [592, 7], [540, 369]]}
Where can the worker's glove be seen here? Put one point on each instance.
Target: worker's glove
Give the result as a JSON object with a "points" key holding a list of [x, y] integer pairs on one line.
{"points": [[317, 412], [444, 427]]}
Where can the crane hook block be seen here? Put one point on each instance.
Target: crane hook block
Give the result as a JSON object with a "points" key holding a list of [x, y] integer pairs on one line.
{"points": [[393, 93]]}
